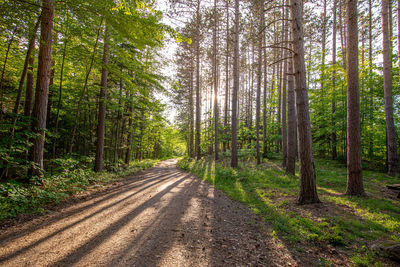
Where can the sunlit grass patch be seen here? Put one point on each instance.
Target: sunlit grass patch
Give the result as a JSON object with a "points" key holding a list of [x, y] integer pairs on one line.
{"points": [[348, 222]]}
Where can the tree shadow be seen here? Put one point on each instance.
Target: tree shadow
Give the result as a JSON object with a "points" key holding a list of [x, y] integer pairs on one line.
{"points": [[105, 204], [78, 253], [181, 221]]}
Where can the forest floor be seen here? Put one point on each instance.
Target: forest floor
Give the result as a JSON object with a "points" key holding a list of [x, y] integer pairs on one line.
{"points": [[162, 216], [159, 217], [340, 231]]}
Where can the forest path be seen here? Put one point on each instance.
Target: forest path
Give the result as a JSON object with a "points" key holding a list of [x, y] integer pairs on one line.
{"points": [[158, 217]]}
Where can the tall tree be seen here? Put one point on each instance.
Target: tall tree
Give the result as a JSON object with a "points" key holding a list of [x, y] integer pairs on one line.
{"points": [[265, 95], [291, 115], [78, 108], [226, 76], [259, 75], [4, 69], [42, 86], [191, 111], [60, 91], [354, 170], [398, 32], [198, 108], [98, 165], [308, 188], [333, 103], [30, 79], [215, 81], [234, 159], [31, 48], [392, 157], [284, 93]]}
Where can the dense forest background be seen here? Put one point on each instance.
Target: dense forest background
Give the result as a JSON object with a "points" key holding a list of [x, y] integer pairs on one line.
{"points": [[307, 84], [104, 74], [351, 91]]}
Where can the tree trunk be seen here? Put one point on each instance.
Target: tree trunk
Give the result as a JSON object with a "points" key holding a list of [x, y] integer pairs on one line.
{"points": [[98, 165], [215, 79], [118, 126], [234, 158], [42, 87], [322, 77], [354, 171], [51, 83], [392, 157], [198, 110], [130, 134], [398, 31], [333, 103], [78, 109], [191, 113], [226, 77], [284, 81], [31, 47], [342, 35], [279, 130], [274, 67], [30, 79], [259, 78], [61, 90], [3, 71], [308, 189], [291, 154], [265, 95]]}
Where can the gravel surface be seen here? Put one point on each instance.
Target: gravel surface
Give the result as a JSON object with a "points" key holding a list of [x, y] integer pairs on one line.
{"points": [[159, 217]]}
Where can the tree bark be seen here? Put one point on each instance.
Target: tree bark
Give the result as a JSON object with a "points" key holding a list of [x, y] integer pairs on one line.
{"points": [[291, 154], [333, 102], [3, 71], [308, 189], [322, 76], [51, 83], [234, 157], [392, 157], [398, 31], [30, 78], [226, 77], [265, 95], [284, 99], [98, 165], [291, 150], [130, 133], [279, 129], [191, 113], [61, 90], [78, 109], [215, 80], [198, 108], [354, 171], [259, 78], [42, 87], [31, 47]]}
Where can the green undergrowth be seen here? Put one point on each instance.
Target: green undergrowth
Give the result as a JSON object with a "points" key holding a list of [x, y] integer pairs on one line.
{"points": [[21, 198], [351, 223]]}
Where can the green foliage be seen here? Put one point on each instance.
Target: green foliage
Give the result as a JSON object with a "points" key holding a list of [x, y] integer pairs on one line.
{"points": [[350, 222], [134, 109], [72, 178], [14, 148]]}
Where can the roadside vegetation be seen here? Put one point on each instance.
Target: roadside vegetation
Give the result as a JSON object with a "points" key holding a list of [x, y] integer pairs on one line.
{"points": [[70, 177], [349, 224]]}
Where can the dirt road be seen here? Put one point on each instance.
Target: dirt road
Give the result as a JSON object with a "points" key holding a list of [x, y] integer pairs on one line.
{"points": [[159, 217]]}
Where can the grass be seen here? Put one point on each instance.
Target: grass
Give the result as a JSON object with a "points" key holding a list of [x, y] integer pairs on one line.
{"points": [[350, 223], [21, 198]]}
